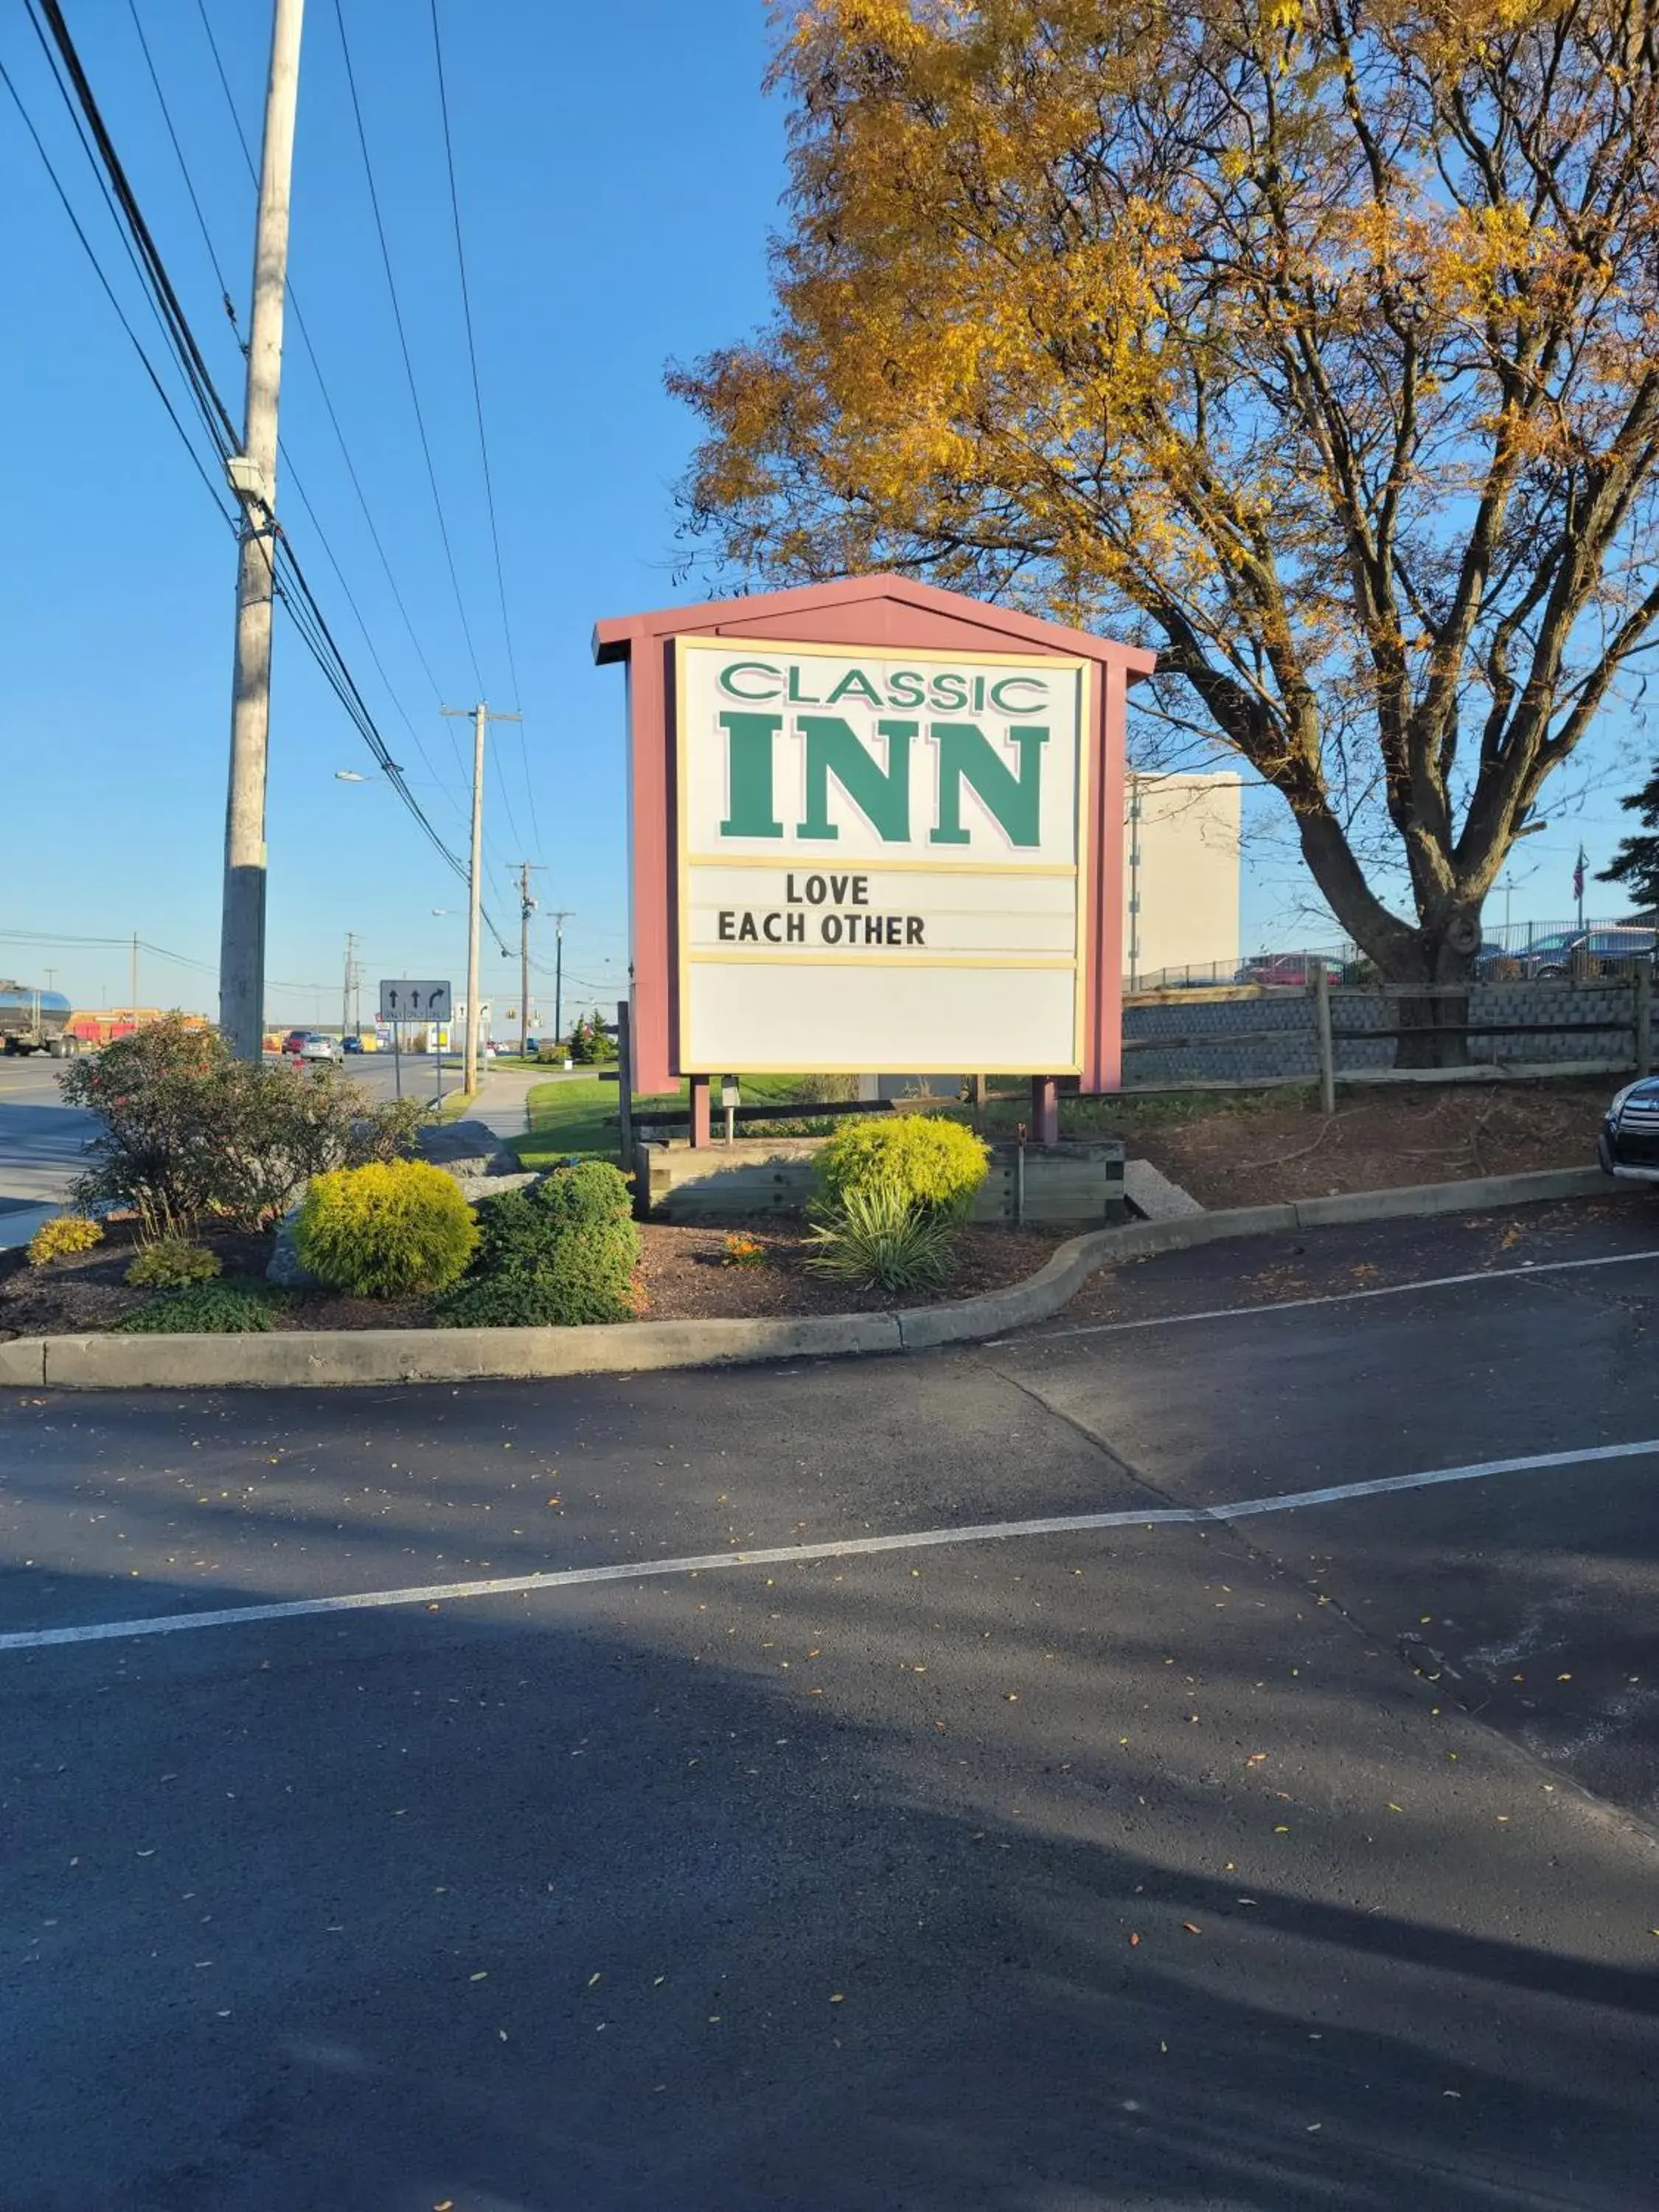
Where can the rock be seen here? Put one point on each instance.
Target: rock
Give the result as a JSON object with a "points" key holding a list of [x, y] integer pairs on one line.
{"points": [[475, 1187], [284, 1269]]}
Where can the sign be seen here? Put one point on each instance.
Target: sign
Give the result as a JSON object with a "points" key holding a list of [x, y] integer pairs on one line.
{"points": [[881, 858], [414, 1002]]}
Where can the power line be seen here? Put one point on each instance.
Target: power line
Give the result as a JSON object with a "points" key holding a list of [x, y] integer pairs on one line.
{"points": [[293, 473], [213, 492], [458, 800], [322, 382], [184, 169], [477, 405], [291, 586], [183, 338], [403, 342]]}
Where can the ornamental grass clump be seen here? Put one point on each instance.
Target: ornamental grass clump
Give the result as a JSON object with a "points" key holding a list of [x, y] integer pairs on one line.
{"points": [[876, 1239]]}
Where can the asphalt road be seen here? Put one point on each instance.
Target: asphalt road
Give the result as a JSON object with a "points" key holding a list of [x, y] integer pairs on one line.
{"points": [[1302, 1858]]}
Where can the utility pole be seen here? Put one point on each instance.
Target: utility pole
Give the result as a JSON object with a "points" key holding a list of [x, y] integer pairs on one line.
{"points": [[561, 916], [253, 474], [134, 1000], [527, 908], [350, 973], [481, 717]]}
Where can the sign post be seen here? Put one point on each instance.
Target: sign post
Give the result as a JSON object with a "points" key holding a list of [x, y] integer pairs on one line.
{"points": [[405, 1001]]}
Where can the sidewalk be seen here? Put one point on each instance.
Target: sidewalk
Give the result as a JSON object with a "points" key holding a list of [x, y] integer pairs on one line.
{"points": [[500, 1103]]}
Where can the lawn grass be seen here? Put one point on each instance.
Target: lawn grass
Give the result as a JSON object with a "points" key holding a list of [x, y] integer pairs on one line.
{"points": [[579, 1116]]}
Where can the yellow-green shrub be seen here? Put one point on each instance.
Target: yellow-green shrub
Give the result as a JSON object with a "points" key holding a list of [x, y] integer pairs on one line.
{"points": [[933, 1164], [64, 1234], [170, 1263], [385, 1231]]}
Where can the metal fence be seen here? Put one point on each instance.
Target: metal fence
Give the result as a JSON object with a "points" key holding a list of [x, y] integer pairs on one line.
{"points": [[1329, 1033], [1525, 950]]}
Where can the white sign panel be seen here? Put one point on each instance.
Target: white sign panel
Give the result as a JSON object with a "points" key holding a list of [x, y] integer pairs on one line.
{"points": [[881, 860], [414, 1002]]}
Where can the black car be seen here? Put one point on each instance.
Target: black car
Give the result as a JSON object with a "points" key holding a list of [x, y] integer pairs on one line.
{"points": [[1628, 1145]]}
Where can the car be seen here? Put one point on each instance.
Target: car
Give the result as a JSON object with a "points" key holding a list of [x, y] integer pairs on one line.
{"points": [[351, 1043], [310, 1044], [1288, 970], [1580, 952], [291, 1042], [1628, 1144]]}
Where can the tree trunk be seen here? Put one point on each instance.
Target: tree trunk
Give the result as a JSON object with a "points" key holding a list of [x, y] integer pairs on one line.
{"points": [[1440, 951], [1435, 1024]]}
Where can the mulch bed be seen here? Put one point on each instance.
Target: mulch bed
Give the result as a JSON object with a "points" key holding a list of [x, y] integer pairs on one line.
{"points": [[1262, 1154], [681, 1277], [685, 1277]]}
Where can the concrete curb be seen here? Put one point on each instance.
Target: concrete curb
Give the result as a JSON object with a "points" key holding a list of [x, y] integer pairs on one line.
{"points": [[334, 1358]]}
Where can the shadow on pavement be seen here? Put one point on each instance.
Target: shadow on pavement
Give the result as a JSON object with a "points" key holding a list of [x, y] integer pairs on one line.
{"points": [[815, 1892]]}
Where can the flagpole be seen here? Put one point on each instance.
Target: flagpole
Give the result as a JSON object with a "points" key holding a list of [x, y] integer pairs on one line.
{"points": [[1578, 885]]}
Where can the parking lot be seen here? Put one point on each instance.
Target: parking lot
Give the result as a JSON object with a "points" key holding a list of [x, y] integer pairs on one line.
{"points": [[1201, 1754]]}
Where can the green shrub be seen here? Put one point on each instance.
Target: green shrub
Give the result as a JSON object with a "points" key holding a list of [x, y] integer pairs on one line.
{"points": [[171, 1263], [931, 1165], [203, 1310], [584, 1273], [387, 1230], [879, 1238], [586, 1191], [64, 1234]]}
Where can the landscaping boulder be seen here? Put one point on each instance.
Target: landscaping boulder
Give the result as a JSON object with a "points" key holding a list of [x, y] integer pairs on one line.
{"points": [[285, 1267]]}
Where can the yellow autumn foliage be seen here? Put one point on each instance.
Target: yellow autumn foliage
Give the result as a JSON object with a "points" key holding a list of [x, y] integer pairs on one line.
{"points": [[1299, 341]]}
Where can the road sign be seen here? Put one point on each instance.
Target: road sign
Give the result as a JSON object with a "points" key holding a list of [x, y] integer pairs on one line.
{"points": [[414, 1002]]}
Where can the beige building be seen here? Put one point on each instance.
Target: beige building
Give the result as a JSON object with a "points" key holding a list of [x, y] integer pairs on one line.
{"points": [[1181, 878]]}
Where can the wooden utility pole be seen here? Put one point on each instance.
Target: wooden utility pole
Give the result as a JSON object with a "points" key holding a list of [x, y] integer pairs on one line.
{"points": [[481, 717], [527, 908], [253, 474]]}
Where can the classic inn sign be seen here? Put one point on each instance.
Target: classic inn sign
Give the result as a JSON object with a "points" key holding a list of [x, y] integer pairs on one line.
{"points": [[867, 836], [880, 857]]}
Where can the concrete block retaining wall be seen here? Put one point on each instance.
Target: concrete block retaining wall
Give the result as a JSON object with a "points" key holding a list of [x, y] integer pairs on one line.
{"points": [[1258, 1038]]}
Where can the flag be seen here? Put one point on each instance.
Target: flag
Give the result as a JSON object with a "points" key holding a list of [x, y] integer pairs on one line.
{"points": [[1578, 876]]}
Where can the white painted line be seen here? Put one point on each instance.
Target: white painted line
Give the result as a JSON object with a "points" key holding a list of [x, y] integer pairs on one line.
{"points": [[1333, 1299], [788, 1555]]}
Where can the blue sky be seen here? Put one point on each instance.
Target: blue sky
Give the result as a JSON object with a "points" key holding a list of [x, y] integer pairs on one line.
{"points": [[619, 170]]}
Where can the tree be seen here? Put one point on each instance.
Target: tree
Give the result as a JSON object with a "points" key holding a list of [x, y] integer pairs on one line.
{"points": [[1314, 342], [1636, 864]]}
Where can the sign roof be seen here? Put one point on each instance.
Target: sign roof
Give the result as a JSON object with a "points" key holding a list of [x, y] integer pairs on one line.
{"points": [[869, 611]]}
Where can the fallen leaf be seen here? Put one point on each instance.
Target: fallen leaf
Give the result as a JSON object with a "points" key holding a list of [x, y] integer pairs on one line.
{"points": [[1133, 1940], [592, 1979], [836, 1997], [483, 1977], [1192, 1927]]}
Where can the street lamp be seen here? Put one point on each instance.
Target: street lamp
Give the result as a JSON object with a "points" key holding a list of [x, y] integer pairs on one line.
{"points": [[351, 775]]}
